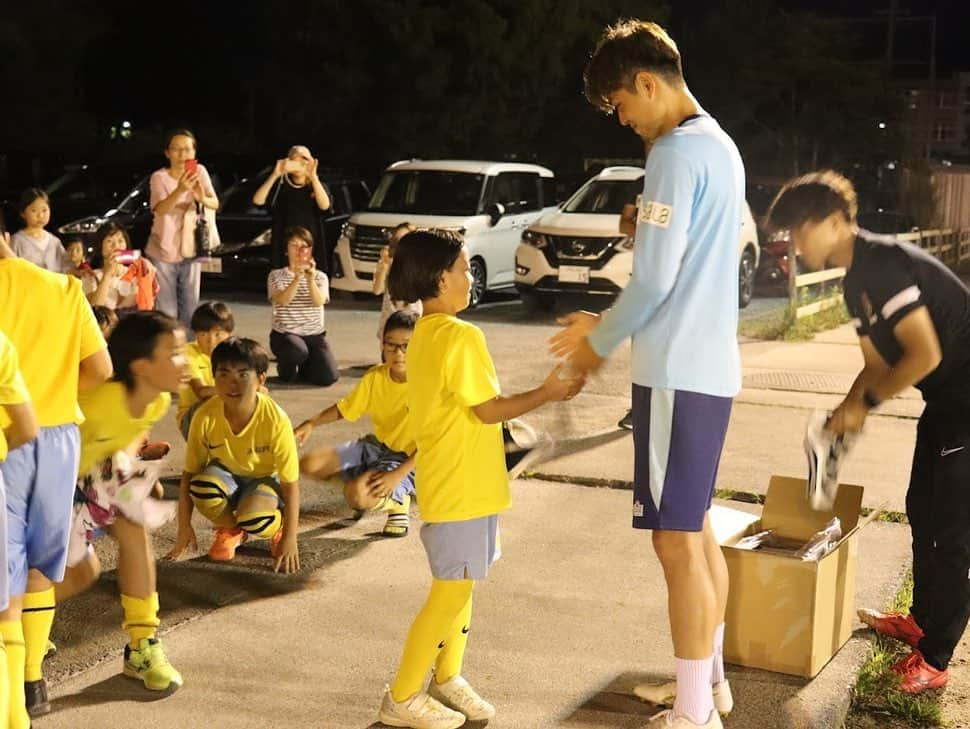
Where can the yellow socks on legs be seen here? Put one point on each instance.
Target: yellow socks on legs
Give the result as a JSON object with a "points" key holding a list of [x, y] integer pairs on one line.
{"points": [[13, 637], [141, 618], [4, 685], [428, 634], [37, 619], [448, 664]]}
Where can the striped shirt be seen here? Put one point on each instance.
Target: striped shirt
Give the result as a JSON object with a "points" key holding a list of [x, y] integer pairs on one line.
{"points": [[301, 316]]}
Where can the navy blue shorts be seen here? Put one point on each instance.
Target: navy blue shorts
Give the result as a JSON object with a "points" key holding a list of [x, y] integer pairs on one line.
{"points": [[677, 441]]}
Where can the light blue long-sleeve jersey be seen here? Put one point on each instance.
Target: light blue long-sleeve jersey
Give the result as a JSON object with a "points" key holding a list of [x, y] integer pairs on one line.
{"points": [[681, 304]]}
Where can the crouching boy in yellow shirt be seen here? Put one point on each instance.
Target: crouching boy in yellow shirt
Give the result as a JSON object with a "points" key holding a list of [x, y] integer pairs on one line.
{"points": [[455, 415], [241, 464]]}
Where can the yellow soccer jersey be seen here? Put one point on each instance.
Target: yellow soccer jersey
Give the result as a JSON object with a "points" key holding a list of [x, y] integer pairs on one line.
{"points": [[13, 391], [265, 447], [200, 368], [52, 327], [460, 468], [386, 402], [108, 427]]}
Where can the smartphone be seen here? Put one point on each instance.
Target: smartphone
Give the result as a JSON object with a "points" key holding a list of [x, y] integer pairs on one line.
{"points": [[127, 257], [191, 166], [294, 165]]}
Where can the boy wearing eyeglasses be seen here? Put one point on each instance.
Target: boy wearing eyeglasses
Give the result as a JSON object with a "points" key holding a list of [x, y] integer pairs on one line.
{"points": [[378, 469]]}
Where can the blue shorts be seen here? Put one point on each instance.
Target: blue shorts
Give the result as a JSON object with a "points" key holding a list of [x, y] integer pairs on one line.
{"points": [[369, 454], [239, 487], [462, 550], [677, 441], [40, 479], [4, 592], [186, 420]]}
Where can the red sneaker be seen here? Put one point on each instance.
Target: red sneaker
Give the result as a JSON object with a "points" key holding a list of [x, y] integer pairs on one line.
{"points": [[918, 675], [225, 544], [893, 625]]}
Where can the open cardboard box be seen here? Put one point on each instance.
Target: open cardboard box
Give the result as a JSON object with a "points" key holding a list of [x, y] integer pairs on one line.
{"points": [[785, 614]]}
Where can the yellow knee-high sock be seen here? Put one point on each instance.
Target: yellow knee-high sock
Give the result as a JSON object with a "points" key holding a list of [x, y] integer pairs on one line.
{"points": [[4, 685], [13, 638], [448, 664], [428, 633], [395, 508], [141, 618], [37, 619]]}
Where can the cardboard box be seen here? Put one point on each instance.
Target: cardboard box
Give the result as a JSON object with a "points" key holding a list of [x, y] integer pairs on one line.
{"points": [[785, 614]]}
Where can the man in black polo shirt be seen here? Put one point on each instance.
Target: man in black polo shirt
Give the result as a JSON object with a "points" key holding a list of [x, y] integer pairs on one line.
{"points": [[912, 315]]}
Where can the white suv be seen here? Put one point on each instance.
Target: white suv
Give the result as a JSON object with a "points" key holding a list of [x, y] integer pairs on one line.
{"points": [[579, 248], [490, 203]]}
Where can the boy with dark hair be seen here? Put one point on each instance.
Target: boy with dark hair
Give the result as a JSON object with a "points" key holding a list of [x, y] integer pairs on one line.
{"points": [[455, 413], [912, 315], [681, 310], [147, 353], [241, 464], [212, 324], [62, 352], [378, 469]]}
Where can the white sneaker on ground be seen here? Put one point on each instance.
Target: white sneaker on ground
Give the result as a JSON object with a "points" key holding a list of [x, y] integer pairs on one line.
{"points": [[421, 712], [458, 694], [669, 720], [663, 694]]}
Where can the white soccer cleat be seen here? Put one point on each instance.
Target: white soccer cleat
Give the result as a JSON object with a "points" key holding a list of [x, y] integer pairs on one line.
{"points": [[664, 694], [669, 720], [458, 694], [825, 452], [420, 712]]}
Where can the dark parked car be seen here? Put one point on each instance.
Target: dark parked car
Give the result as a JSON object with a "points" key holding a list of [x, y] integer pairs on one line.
{"points": [[133, 212]]}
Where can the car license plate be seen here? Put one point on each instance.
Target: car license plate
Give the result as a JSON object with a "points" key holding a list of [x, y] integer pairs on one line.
{"points": [[574, 274], [210, 265]]}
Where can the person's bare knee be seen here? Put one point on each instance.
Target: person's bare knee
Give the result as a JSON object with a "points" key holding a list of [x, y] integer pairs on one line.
{"points": [[358, 495], [130, 536], [37, 582], [675, 548], [320, 463], [78, 578]]}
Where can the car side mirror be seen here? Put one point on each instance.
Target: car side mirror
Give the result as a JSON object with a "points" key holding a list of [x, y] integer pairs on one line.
{"points": [[495, 211]]}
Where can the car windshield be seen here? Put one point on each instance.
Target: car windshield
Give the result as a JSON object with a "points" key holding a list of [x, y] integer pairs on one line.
{"points": [[428, 192], [605, 197], [136, 199]]}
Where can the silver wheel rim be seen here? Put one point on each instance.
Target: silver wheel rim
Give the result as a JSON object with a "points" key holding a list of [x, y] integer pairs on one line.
{"points": [[746, 283], [478, 283]]}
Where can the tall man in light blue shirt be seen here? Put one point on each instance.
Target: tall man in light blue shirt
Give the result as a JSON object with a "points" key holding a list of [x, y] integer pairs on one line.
{"points": [[681, 309]]}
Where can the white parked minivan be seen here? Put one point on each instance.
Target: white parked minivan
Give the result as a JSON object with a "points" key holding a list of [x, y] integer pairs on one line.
{"points": [[490, 203], [579, 249]]}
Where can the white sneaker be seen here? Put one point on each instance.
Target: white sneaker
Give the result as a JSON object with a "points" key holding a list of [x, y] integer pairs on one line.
{"points": [[669, 720], [458, 694], [663, 694], [421, 712]]}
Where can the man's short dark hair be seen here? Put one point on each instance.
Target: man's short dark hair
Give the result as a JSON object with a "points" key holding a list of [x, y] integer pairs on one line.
{"points": [[812, 198], [136, 337], [400, 320], [213, 315], [422, 257], [625, 49], [241, 351]]}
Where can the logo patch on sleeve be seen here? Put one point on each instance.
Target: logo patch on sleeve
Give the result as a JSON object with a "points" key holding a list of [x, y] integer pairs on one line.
{"points": [[655, 213]]}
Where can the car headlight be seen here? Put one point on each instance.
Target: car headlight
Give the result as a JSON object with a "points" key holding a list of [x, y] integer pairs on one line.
{"points": [[536, 240], [84, 225], [625, 243], [349, 230]]}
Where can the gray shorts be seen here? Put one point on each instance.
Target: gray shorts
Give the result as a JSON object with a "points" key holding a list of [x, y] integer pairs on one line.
{"points": [[187, 419], [462, 550]]}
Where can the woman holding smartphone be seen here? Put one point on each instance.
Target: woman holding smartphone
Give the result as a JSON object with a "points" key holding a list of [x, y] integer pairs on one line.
{"points": [[125, 282], [176, 193], [296, 197], [299, 337]]}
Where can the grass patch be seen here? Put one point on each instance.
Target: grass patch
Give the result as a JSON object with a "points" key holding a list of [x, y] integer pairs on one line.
{"points": [[783, 325], [875, 700]]}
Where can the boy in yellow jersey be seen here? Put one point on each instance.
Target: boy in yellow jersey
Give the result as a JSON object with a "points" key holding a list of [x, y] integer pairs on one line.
{"points": [[455, 416], [49, 322], [378, 469], [15, 404], [147, 352], [241, 464], [212, 324]]}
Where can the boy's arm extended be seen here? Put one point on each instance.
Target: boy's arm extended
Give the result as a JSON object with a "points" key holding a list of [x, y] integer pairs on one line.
{"points": [[186, 534], [499, 409], [288, 559], [331, 415]]}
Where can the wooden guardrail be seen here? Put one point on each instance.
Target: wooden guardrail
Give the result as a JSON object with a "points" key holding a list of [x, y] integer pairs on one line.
{"points": [[950, 246]]}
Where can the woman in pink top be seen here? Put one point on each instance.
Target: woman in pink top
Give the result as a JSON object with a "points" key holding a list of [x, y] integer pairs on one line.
{"points": [[175, 191]]}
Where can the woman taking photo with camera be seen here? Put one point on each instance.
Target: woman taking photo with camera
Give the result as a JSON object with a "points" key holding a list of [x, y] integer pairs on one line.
{"points": [[296, 197], [298, 292], [177, 194]]}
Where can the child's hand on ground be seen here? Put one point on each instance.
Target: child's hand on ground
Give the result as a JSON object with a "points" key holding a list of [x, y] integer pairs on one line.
{"points": [[302, 432], [562, 384], [288, 559], [184, 541], [382, 483]]}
